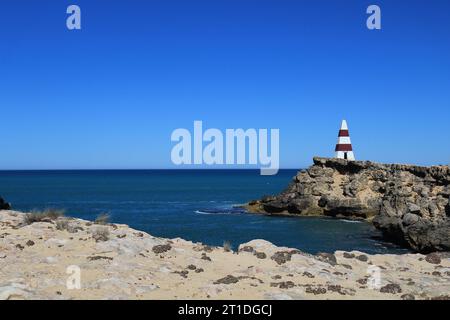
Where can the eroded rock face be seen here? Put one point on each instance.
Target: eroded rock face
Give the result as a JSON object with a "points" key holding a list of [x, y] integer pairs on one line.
{"points": [[410, 204]]}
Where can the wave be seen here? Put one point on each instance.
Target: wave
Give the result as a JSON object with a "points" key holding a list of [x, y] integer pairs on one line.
{"points": [[351, 221], [220, 211]]}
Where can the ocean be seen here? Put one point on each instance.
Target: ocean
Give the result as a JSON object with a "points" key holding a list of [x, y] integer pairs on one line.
{"points": [[197, 205]]}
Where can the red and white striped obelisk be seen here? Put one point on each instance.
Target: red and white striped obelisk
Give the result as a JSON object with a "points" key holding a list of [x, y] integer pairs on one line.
{"points": [[344, 148]]}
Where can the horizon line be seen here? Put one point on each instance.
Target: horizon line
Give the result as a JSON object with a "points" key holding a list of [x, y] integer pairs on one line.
{"points": [[145, 169]]}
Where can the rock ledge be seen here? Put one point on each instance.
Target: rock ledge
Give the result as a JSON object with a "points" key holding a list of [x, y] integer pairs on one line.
{"points": [[38, 259]]}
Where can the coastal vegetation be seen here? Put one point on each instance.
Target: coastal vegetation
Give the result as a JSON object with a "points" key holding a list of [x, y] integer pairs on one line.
{"points": [[102, 219], [227, 247], [43, 216]]}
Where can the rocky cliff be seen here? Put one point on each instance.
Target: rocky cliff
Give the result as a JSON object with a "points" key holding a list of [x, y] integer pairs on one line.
{"points": [[410, 204]]}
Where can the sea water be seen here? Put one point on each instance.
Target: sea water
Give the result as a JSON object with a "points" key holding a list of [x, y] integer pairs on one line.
{"points": [[197, 205]]}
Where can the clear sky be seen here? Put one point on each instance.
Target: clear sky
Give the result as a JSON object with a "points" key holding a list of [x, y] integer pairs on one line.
{"points": [[110, 95]]}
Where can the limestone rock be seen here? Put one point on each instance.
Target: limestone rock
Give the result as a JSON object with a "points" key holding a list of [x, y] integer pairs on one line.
{"points": [[136, 265], [14, 291], [409, 204]]}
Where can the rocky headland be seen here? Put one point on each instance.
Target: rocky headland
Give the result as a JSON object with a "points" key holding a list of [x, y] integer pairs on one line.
{"points": [[409, 204], [39, 254]]}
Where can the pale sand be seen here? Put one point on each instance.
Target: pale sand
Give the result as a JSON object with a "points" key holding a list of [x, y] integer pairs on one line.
{"points": [[126, 267]]}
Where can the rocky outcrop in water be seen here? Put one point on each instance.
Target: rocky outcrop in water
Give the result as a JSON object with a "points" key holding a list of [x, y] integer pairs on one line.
{"points": [[4, 205], [410, 204]]}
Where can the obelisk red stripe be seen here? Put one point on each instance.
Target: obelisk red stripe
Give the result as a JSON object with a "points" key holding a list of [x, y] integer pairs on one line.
{"points": [[344, 147], [343, 133]]}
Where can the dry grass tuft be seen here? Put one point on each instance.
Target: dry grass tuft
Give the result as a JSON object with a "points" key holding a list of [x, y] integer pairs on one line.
{"points": [[47, 215], [227, 247], [102, 219], [62, 224]]}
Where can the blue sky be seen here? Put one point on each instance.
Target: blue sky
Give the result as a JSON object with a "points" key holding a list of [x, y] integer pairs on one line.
{"points": [[110, 95]]}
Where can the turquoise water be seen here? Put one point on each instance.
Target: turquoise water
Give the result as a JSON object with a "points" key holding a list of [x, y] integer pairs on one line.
{"points": [[197, 205]]}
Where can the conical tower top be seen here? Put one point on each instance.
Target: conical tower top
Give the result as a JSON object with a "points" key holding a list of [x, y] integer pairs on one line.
{"points": [[344, 149]]}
